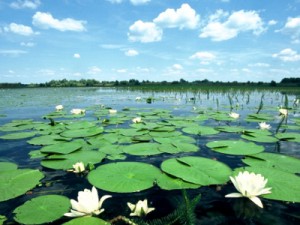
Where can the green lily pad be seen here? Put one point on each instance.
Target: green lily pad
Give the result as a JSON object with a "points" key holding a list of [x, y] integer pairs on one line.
{"points": [[80, 125], [197, 170], [230, 129], [200, 130], [124, 177], [285, 186], [19, 135], [276, 161], [294, 137], [235, 147], [167, 182], [87, 132], [259, 117], [6, 166], [65, 162], [61, 148], [42, 209], [142, 149], [14, 183], [86, 221], [47, 140]]}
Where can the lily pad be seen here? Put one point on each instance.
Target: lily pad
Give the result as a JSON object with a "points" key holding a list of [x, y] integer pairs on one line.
{"points": [[6, 166], [285, 186], [197, 170], [235, 147], [18, 135], [86, 221], [276, 161], [142, 149], [200, 130], [294, 137], [87, 132], [47, 140], [124, 177], [65, 162], [14, 183], [167, 182], [42, 209], [61, 148]]}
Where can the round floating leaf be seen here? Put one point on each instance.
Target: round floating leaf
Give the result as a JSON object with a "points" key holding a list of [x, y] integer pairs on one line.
{"points": [[80, 125], [124, 177], [43, 209], [87, 132], [65, 162], [5, 166], [295, 137], [197, 170], [47, 140], [276, 161], [14, 183], [142, 149], [86, 221], [19, 135], [170, 183], [61, 148], [230, 129], [235, 147], [181, 138], [200, 130], [285, 186], [259, 118]]}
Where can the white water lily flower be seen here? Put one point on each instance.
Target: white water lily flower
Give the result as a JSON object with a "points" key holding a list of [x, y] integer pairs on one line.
{"points": [[78, 111], [88, 203], [78, 167], [264, 126], [234, 115], [137, 120], [249, 185], [283, 112], [140, 208], [112, 111], [138, 98], [59, 107]]}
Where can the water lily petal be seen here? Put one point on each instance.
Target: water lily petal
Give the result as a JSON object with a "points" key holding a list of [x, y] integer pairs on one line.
{"points": [[234, 195], [103, 198], [74, 213], [257, 201]]}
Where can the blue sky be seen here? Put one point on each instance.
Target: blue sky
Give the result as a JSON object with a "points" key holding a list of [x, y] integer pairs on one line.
{"points": [[156, 40]]}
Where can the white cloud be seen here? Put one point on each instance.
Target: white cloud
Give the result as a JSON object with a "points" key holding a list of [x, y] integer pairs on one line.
{"points": [[27, 44], [20, 4], [131, 52], [203, 56], [272, 22], [121, 70], [259, 65], [19, 29], [237, 22], [115, 1], [94, 70], [144, 32], [46, 21], [11, 71], [76, 55], [287, 55], [184, 17], [13, 53], [177, 67], [139, 2], [292, 27]]}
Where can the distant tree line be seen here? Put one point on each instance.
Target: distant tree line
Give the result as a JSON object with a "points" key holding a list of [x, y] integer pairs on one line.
{"points": [[286, 82]]}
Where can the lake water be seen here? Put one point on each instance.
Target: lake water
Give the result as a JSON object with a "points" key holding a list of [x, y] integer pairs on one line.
{"points": [[176, 109]]}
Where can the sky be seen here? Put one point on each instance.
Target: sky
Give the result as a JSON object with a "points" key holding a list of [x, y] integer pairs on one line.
{"points": [[155, 40]]}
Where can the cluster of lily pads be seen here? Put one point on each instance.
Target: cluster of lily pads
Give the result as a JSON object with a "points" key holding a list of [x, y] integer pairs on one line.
{"points": [[134, 149]]}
